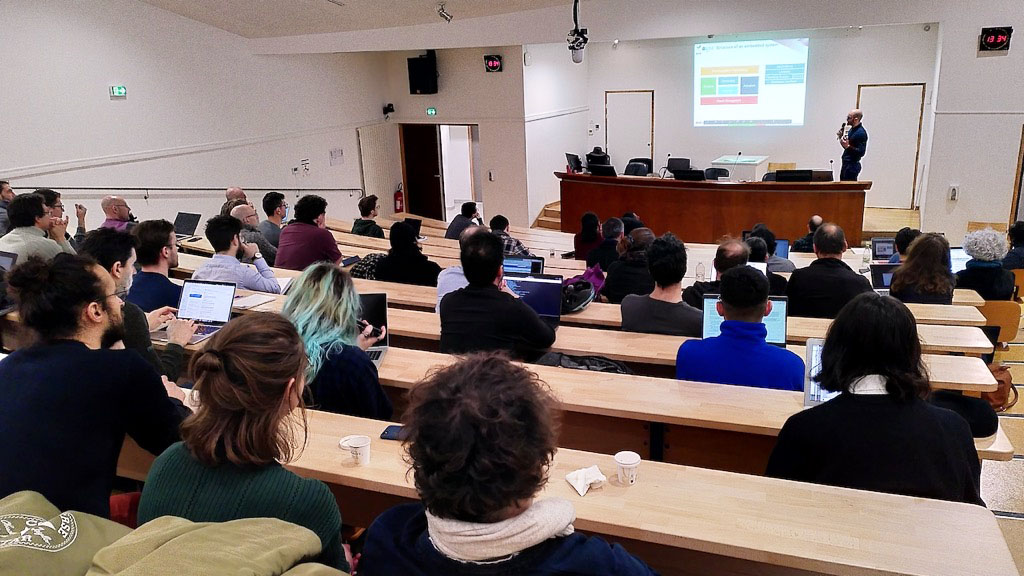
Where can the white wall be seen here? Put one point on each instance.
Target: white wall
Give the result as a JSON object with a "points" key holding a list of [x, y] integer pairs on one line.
{"points": [[555, 94], [202, 111]]}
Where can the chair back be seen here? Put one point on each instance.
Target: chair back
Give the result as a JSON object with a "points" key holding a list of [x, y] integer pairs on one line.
{"points": [[1018, 284], [997, 226], [768, 177], [647, 162], [716, 173], [636, 169], [776, 166], [1004, 314]]}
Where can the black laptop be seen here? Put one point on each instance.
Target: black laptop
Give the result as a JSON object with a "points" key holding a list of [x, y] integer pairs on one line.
{"points": [[185, 224]]}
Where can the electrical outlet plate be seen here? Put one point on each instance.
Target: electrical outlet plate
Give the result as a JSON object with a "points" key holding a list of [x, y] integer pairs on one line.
{"points": [[954, 191]]}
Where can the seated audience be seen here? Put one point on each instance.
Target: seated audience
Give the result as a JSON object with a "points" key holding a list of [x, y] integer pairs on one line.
{"points": [[730, 254], [235, 193], [405, 262], [118, 214], [276, 209], [452, 278], [223, 234], [30, 224], [822, 289], [68, 402], [663, 310], [306, 239], [806, 243], [52, 200], [227, 207], [630, 222], [157, 254], [324, 307], [740, 355], [879, 434], [904, 238], [115, 252], [1014, 259], [924, 276], [776, 263], [629, 274], [608, 250], [513, 247], [6, 195], [251, 234], [759, 255], [485, 315], [482, 515], [365, 226], [461, 221], [227, 467], [589, 236], [985, 273]]}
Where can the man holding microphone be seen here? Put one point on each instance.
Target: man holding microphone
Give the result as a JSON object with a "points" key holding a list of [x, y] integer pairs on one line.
{"points": [[855, 142]]}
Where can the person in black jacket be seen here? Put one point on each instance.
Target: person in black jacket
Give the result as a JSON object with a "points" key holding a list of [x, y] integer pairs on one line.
{"points": [[630, 274], [607, 251], [985, 273], [485, 315], [924, 276], [879, 434], [806, 243], [730, 254], [759, 255], [1014, 259], [823, 288], [405, 262], [68, 401]]}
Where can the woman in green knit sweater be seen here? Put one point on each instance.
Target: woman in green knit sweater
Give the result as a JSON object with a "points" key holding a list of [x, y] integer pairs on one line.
{"points": [[250, 378]]}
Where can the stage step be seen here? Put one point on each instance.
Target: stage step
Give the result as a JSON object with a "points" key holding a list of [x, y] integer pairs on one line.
{"points": [[550, 217]]}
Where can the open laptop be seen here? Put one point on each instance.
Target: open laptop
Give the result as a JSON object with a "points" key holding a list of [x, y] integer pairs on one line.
{"points": [[881, 276], [761, 267], [208, 303], [542, 292], [185, 224], [7, 262], [782, 248], [416, 225], [524, 265], [375, 313], [813, 394], [882, 249], [602, 170], [774, 322], [958, 260]]}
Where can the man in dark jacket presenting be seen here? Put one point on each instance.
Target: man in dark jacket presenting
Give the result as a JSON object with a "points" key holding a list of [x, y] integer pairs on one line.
{"points": [[855, 143]]}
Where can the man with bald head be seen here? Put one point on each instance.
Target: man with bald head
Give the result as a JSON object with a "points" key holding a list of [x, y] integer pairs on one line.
{"points": [[806, 243], [251, 234], [118, 214], [235, 193], [855, 143], [823, 288], [731, 253]]}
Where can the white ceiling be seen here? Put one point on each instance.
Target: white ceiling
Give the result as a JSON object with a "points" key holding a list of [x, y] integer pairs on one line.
{"points": [[273, 18]]}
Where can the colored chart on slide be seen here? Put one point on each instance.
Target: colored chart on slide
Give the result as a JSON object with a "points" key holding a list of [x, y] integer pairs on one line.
{"points": [[750, 83]]}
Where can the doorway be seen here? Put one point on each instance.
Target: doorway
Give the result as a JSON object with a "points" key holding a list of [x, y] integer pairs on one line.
{"points": [[629, 125], [894, 118], [1018, 184], [439, 168]]}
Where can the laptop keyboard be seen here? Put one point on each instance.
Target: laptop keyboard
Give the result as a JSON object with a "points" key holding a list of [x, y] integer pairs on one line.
{"points": [[374, 354]]}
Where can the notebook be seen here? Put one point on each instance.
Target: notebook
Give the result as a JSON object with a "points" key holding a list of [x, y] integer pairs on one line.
{"points": [[882, 249], [774, 322], [542, 292], [185, 224], [813, 394], [375, 312], [524, 266], [958, 260], [208, 303]]}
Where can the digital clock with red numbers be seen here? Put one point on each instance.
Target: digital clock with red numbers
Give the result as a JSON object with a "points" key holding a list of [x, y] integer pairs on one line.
{"points": [[492, 63], [995, 39]]}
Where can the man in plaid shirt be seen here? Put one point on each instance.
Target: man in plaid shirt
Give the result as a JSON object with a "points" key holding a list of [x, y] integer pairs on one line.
{"points": [[512, 246]]}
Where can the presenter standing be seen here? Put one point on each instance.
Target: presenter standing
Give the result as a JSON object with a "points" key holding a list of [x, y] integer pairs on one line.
{"points": [[856, 143]]}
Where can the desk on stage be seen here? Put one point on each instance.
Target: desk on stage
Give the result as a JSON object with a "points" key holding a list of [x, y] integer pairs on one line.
{"points": [[706, 211]]}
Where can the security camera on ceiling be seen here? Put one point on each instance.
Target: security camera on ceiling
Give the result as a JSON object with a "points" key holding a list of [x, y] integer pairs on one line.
{"points": [[577, 36]]}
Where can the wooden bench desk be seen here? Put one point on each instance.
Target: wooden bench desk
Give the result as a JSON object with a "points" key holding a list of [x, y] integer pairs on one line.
{"points": [[683, 520]]}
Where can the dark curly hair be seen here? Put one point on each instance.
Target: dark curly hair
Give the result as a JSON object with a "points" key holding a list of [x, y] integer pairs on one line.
{"points": [[480, 435]]}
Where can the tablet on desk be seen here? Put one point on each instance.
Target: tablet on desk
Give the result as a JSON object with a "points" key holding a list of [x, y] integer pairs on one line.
{"points": [[813, 394]]}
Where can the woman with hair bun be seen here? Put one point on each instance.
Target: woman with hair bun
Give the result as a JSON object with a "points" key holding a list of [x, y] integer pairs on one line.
{"points": [[249, 378]]}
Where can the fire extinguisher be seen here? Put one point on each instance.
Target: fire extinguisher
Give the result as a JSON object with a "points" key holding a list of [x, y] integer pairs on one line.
{"points": [[399, 200]]}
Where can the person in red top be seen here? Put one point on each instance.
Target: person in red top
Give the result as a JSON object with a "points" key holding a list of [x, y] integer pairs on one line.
{"points": [[306, 239]]}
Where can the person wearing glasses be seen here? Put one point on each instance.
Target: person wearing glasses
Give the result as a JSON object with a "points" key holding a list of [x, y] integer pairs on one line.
{"points": [[157, 253], [276, 208], [31, 221], [118, 214], [68, 400], [855, 144], [53, 201]]}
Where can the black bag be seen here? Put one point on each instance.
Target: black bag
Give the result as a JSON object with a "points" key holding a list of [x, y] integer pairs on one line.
{"points": [[592, 363], [576, 295], [366, 268]]}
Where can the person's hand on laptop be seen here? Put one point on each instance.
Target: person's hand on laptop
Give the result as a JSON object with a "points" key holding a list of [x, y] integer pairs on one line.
{"points": [[180, 331], [365, 340], [173, 390], [157, 318], [504, 288]]}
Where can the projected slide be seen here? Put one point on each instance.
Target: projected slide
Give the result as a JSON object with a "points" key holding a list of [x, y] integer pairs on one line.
{"points": [[750, 83]]}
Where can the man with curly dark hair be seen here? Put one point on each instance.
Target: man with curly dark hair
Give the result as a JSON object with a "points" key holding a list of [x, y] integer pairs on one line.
{"points": [[480, 436]]}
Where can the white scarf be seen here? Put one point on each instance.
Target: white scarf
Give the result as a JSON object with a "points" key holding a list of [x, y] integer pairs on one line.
{"points": [[477, 542], [870, 385]]}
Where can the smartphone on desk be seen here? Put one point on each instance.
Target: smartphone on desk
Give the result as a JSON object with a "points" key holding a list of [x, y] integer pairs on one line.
{"points": [[392, 432]]}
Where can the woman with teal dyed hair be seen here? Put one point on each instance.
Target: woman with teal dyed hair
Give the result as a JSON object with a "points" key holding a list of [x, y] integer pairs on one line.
{"points": [[323, 305]]}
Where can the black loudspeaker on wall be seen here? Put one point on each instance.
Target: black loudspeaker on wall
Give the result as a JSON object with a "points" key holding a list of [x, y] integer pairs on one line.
{"points": [[423, 74]]}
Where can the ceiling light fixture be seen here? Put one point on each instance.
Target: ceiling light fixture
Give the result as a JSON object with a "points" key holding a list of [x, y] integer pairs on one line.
{"points": [[444, 14]]}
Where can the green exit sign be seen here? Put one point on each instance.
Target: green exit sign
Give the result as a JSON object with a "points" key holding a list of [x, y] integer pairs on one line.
{"points": [[118, 91], [431, 111]]}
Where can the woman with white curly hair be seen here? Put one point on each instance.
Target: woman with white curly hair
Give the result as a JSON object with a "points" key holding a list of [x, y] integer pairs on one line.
{"points": [[985, 273]]}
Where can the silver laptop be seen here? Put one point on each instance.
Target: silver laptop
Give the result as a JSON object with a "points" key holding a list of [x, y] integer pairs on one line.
{"points": [[813, 394], [375, 312], [208, 303], [185, 224], [774, 322]]}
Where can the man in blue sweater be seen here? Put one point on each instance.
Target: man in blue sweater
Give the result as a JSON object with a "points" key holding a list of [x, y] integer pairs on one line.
{"points": [[855, 144], [740, 355]]}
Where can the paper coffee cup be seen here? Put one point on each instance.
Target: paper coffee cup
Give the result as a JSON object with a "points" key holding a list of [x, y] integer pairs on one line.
{"points": [[629, 464], [358, 446]]}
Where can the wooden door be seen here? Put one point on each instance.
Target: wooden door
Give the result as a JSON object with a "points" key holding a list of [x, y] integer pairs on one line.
{"points": [[421, 170]]}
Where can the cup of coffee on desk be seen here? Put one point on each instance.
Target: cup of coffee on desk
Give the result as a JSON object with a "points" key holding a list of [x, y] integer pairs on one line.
{"points": [[629, 464], [358, 446]]}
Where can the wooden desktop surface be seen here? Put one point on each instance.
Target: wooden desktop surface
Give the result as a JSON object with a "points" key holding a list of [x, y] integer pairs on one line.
{"points": [[684, 520], [430, 236]]}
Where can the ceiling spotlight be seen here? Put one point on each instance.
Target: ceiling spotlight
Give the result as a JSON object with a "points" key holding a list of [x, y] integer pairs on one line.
{"points": [[444, 13]]}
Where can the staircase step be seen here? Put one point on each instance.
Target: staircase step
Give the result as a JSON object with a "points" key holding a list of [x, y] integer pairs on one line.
{"points": [[549, 223]]}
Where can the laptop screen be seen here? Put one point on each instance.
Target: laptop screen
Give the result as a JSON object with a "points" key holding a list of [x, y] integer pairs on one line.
{"points": [[524, 266], [881, 275], [958, 259], [882, 248], [761, 267], [774, 322], [208, 302], [7, 260], [375, 312], [186, 223], [813, 394], [416, 224], [782, 248], [541, 292]]}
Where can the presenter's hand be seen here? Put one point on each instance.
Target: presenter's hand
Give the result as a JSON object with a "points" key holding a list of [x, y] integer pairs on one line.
{"points": [[845, 142]]}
